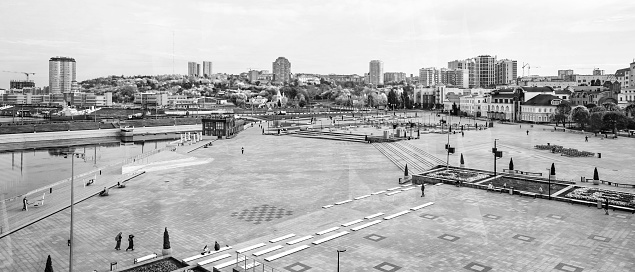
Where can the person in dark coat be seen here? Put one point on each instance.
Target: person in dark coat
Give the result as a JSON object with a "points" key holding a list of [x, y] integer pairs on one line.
{"points": [[423, 189], [25, 204], [216, 246], [527, 132], [606, 206], [118, 239], [130, 242]]}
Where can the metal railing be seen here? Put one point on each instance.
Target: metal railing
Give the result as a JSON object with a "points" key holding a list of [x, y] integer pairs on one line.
{"points": [[250, 264]]}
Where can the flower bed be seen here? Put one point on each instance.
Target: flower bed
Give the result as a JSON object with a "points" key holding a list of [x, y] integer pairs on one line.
{"points": [[594, 194], [457, 174], [161, 265], [526, 185]]}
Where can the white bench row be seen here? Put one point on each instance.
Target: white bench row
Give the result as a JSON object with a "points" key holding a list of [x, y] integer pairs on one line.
{"points": [[361, 197], [421, 206], [352, 222], [145, 258], [409, 188], [282, 238], [395, 188], [217, 258], [288, 252], [299, 240], [343, 202], [395, 215], [376, 193], [327, 231], [271, 249], [366, 225], [392, 193], [373, 215], [198, 256], [251, 247], [328, 238]]}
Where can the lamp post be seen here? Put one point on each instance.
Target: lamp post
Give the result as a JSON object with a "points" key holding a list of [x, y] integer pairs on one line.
{"points": [[495, 152], [338, 258], [73, 155], [552, 171]]}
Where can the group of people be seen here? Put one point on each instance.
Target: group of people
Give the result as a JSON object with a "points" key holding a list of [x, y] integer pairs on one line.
{"points": [[206, 249], [130, 242]]}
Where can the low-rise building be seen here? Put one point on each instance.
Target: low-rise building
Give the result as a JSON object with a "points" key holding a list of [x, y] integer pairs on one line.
{"points": [[540, 108]]}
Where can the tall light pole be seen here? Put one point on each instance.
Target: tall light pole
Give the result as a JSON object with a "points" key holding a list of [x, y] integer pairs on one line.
{"points": [[338, 258], [496, 154], [73, 155], [552, 171]]}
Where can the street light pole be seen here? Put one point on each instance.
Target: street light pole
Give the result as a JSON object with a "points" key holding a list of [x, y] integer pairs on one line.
{"points": [[70, 261], [495, 150], [338, 258]]}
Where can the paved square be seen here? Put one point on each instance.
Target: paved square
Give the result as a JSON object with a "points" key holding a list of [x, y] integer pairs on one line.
{"points": [[477, 267], [449, 237], [301, 175], [568, 268], [375, 237], [523, 238], [428, 216], [387, 267], [297, 267]]}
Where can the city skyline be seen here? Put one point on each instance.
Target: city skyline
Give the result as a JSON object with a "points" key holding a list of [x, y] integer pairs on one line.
{"points": [[317, 37]]}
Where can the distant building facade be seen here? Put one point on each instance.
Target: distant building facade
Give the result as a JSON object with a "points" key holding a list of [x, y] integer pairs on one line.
{"points": [[565, 75], [281, 70], [207, 69], [429, 76], [376, 72], [506, 72], [193, 69], [394, 77], [484, 71], [21, 84], [62, 74]]}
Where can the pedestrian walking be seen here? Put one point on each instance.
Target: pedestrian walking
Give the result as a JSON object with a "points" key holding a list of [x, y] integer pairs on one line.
{"points": [[462, 134], [606, 206], [130, 242], [118, 239], [216, 246], [25, 204], [521, 126], [527, 132], [423, 189], [242, 150], [586, 138]]}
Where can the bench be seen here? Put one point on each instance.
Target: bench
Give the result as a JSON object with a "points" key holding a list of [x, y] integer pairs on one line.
{"points": [[288, 252], [217, 258], [325, 239], [251, 247], [394, 192], [352, 223], [198, 256], [409, 188], [395, 215], [376, 193], [361, 197], [343, 202], [300, 240], [281, 238], [366, 225], [271, 249], [421, 206], [39, 202], [145, 258], [327, 231], [373, 215]]}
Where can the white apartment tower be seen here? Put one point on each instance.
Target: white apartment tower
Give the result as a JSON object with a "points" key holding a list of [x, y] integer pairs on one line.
{"points": [[484, 72], [429, 76], [376, 72], [506, 71], [193, 69], [207, 69], [62, 74], [281, 70]]}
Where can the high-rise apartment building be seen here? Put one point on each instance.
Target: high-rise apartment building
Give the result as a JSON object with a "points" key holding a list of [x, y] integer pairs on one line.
{"points": [[429, 76], [565, 75], [394, 77], [454, 77], [207, 69], [506, 72], [632, 75], [467, 64], [193, 69], [281, 70], [376, 72], [484, 71], [598, 72], [62, 74]]}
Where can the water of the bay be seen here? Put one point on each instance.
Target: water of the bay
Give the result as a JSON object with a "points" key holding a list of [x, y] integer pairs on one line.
{"points": [[24, 170]]}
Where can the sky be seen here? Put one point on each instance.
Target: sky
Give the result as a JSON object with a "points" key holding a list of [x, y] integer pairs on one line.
{"points": [[159, 37]]}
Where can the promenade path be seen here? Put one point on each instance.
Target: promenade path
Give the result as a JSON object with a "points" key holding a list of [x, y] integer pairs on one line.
{"points": [[223, 200]]}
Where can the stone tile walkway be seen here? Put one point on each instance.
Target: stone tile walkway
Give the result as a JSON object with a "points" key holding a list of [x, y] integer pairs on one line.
{"points": [[196, 204]]}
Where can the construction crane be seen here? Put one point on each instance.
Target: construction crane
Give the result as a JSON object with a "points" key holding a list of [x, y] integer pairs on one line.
{"points": [[27, 74], [528, 69]]}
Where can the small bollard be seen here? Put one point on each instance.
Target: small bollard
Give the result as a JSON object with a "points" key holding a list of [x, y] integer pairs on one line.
{"points": [[599, 155], [113, 264], [69, 242], [51, 190]]}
